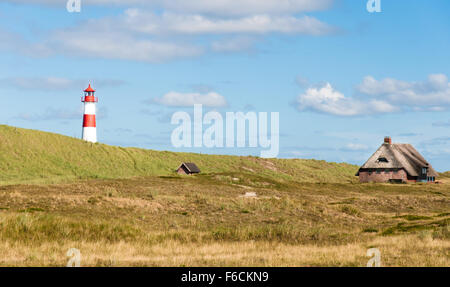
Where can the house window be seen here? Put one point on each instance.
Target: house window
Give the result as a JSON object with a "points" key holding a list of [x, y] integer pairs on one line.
{"points": [[396, 170], [382, 159], [424, 170], [378, 171]]}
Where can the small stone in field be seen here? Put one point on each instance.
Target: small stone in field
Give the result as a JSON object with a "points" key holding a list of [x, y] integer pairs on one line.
{"points": [[249, 194]]}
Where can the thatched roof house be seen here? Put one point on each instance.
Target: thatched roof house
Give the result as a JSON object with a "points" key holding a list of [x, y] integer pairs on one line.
{"points": [[396, 163], [188, 168]]}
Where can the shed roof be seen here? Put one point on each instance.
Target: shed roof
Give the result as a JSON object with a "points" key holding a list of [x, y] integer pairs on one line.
{"points": [[191, 167], [399, 156]]}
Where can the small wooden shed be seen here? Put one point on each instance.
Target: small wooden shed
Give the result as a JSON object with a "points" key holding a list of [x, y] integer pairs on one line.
{"points": [[188, 168]]}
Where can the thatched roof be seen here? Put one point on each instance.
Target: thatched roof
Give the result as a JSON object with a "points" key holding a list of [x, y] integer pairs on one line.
{"points": [[398, 156], [191, 167]]}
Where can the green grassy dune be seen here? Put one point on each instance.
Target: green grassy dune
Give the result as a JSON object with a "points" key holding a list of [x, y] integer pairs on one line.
{"points": [[30, 156], [127, 207]]}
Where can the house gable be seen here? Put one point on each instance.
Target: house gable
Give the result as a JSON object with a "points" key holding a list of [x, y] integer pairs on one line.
{"points": [[399, 156]]}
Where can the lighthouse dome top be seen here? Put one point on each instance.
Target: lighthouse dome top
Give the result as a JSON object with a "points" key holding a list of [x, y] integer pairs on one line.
{"points": [[89, 89]]}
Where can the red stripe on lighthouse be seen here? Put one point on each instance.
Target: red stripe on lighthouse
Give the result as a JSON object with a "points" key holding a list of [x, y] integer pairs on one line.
{"points": [[89, 121], [90, 99]]}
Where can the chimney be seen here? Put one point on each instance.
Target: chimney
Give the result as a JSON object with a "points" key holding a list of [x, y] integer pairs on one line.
{"points": [[387, 140]]}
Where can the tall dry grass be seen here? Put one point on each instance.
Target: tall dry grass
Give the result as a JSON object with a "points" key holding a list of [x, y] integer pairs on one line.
{"points": [[406, 250]]}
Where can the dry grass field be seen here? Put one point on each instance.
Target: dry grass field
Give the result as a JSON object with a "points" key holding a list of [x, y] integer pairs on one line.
{"points": [[205, 220], [127, 207]]}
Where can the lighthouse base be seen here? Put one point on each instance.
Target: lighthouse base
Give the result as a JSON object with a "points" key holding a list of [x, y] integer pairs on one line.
{"points": [[90, 134]]}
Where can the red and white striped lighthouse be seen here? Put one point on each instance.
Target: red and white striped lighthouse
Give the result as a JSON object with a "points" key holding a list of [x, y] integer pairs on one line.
{"points": [[89, 124]]}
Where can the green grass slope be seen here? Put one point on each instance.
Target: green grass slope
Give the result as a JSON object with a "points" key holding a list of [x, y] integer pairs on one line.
{"points": [[30, 156]]}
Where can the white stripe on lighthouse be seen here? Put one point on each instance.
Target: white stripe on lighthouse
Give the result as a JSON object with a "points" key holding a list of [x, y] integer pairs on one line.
{"points": [[90, 134], [89, 108]]}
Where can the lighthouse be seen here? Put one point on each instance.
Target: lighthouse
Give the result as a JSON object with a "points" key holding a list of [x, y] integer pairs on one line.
{"points": [[89, 124]]}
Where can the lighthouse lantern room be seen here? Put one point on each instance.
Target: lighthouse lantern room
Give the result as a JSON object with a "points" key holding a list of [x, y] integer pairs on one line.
{"points": [[89, 123]]}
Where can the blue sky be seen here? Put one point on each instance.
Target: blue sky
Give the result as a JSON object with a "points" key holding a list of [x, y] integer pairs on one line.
{"points": [[340, 77]]}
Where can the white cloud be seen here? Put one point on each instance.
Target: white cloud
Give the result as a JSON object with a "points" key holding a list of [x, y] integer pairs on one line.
{"points": [[191, 24], [159, 31], [325, 99], [175, 99], [245, 7], [215, 7], [375, 97], [432, 94], [112, 44], [145, 36], [233, 7], [99, 39]]}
